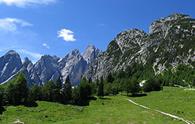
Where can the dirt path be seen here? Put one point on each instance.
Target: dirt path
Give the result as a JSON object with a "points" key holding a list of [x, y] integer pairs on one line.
{"points": [[163, 113]]}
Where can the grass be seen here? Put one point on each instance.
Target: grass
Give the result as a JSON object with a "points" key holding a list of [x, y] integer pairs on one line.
{"points": [[177, 101], [112, 109]]}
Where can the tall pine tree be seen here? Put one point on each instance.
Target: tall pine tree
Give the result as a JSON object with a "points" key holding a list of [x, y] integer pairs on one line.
{"points": [[67, 90], [100, 91], [18, 90]]}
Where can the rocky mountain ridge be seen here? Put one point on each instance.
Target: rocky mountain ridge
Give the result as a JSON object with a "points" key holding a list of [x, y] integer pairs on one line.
{"points": [[48, 67], [170, 42]]}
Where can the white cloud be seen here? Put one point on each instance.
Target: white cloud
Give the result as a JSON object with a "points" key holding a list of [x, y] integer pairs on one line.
{"points": [[12, 24], [32, 54], [67, 35], [46, 45], [24, 3]]}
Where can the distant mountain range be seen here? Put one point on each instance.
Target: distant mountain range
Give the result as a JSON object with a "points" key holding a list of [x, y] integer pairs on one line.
{"points": [[48, 67], [169, 43]]}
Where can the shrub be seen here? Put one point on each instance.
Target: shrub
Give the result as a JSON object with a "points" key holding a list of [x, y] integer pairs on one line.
{"points": [[133, 87], [152, 85]]}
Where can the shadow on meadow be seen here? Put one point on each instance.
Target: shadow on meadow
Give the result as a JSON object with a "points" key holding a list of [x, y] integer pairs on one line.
{"points": [[138, 95]]}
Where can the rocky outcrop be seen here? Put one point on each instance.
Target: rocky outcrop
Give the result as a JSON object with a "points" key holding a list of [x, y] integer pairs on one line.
{"points": [[45, 69], [170, 42], [73, 65], [90, 53], [10, 64]]}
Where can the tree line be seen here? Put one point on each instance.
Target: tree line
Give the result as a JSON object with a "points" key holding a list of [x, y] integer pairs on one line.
{"points": [[17, 91]]}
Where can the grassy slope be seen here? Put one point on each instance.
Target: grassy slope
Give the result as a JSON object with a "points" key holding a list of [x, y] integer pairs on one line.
{"points": [[176, 101], [115, 110]]}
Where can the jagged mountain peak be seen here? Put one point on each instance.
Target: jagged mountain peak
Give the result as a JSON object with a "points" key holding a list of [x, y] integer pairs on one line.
{"points": [[164, 24], [72, 65], [10, 64], [12, 53], [46, 68], [90, 53], [74, 52], [27, 63], [27, 60], [133, 31], [129, 39], [176, 16]]}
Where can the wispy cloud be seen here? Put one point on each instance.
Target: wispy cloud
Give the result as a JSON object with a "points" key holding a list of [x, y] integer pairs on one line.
{"points": [[31, 54], [67, 35], [24, 3], [46, 45], [12, 24]]}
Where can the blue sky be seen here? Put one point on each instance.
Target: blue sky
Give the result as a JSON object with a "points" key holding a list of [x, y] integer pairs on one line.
{"points": [[55, 27]]}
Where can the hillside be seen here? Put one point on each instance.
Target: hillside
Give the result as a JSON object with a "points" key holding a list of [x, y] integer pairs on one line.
{"points": [[169, 44]]}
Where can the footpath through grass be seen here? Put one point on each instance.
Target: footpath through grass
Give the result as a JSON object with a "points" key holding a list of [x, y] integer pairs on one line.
{"points": [[113, 109], [176, 101]]}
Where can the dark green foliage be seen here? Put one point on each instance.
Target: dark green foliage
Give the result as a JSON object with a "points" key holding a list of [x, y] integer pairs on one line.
{"points": [[183, 75], [67, 90], [93, 88], [36, 92], [133, 87], [111, 88], [51, 91], [82, 93], [85, 89], [1, 97], [2, 100], [110, 78], [193, 83], [100, 91], [58, 83], [47, 91], [76, 96], [152, 85], [17, 92]]}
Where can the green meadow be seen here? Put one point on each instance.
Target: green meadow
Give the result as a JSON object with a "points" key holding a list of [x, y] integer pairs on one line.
{"points": [[110, 110]]}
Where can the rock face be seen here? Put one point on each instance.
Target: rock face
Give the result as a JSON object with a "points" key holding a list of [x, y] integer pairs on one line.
{"points": [[73, 65], [45, 69], [27, 66], [91, 53], [171, 42], [48, 67], [10, 64]]}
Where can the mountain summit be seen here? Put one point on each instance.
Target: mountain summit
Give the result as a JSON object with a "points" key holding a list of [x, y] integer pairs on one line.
{"points": [[48, 67], [170, 42]]}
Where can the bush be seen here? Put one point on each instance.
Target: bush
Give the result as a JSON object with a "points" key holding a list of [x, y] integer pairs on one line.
{"points": [[133, 87], [152, 85]]}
